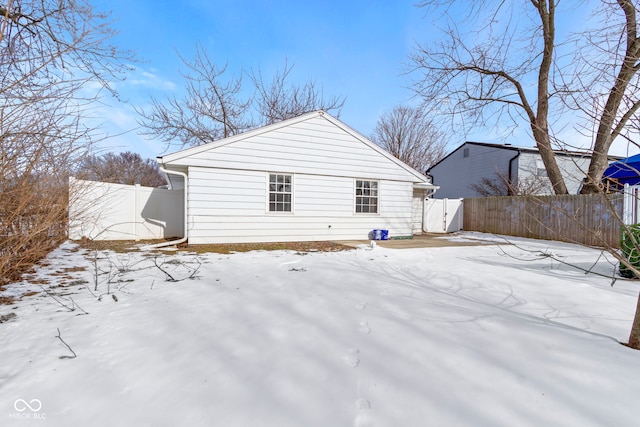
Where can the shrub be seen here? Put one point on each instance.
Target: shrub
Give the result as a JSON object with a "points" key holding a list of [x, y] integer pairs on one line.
{"points": [[629, 243]]}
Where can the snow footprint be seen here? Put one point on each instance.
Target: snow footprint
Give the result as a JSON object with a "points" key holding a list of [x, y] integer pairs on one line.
{"points": [[361, 306], [364, 418], [352, 359], [364, 328]]}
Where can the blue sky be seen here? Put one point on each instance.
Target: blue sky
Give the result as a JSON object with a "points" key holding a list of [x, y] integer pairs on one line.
{"points": [[356, 49], [352, 48]]}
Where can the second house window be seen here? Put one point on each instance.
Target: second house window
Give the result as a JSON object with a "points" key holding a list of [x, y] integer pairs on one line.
{"points": [[366, 196], [279, 193]]}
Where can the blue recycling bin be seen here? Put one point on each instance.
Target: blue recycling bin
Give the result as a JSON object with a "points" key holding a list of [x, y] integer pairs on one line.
{"points": [[380, 234]]}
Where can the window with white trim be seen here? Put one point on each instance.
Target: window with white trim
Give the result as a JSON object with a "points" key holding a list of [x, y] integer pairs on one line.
{"points": [[541, 170], [280, 193], [366, 196]]}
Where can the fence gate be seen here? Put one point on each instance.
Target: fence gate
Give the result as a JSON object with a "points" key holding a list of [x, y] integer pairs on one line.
{"points": [[442, 215]]}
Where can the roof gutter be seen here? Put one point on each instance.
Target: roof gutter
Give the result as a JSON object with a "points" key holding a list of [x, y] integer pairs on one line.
{"points": [[510, 177], [428, 187], [186, 210]]}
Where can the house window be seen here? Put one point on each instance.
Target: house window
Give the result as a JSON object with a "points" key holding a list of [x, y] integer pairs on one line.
{"points": [[366, 196], [280, 192], [465, 152], [540, 169]]}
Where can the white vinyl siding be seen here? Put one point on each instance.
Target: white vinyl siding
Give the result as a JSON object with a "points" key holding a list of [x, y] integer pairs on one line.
{"points": [[314, 146], [573, 169], [231, 209]]}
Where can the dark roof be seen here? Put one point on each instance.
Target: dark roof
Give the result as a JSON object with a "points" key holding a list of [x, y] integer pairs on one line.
{"points": [[574, 153]]}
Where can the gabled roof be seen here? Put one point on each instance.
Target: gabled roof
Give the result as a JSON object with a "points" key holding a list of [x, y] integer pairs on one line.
{"points": [[173, 157]]}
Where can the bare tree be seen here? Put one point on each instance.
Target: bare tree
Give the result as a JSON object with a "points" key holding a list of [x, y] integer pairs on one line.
{"points": [[211, 109], [486, 76], [410, 135], [216, 107], [278, 100], [608, 83], [491, 187], [121, 168], [503, 186], [49, 51]]}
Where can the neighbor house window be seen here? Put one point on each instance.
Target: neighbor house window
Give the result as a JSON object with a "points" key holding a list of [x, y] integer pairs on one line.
{"points": [[540, 169], [366, 196], [280, 193]]}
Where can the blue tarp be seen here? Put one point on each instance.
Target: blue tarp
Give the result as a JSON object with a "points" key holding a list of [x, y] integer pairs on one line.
{"points": [[625, 171]]}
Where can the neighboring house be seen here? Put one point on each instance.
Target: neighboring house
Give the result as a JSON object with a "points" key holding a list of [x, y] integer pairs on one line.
{"points": [[478, 169], [303, 179]]}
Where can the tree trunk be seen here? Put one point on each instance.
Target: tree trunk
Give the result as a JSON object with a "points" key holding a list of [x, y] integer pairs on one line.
{"points": [[608, 130], [540, 123], [634, 336], [549, 160], [592, 183]]}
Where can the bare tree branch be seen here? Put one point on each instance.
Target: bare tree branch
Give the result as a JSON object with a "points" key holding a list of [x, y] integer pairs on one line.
{"points": [[410, 135], [50, 50], [66, 345], [607, 83], [214, 106], [278, 100], [491, 73], [211, 109], [123, 168]]}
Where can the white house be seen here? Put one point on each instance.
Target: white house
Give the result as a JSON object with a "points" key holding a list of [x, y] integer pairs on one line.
{"points": [[476, 164], [303, 179]]}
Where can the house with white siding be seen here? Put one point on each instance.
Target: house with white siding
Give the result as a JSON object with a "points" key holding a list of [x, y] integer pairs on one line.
{"points": [[475, 168], [307, 178]]}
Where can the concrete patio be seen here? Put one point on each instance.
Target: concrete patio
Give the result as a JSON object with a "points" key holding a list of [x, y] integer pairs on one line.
{"points": [[427, 240]]}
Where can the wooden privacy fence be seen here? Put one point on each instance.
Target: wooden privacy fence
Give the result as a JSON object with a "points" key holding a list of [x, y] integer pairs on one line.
{"points": [[592, 220]]}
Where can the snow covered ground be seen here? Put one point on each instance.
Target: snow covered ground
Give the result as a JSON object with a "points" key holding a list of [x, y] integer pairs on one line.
{"points": [[455, 336]]}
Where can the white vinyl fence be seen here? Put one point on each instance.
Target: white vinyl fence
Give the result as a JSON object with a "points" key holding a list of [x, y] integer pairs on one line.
{"points": [[105, 211], [443, 215], [631, 204]]}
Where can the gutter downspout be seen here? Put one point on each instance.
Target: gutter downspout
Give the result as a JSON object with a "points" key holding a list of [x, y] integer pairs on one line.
{"points": [[428, 175], [510, 177], [186, 210]]}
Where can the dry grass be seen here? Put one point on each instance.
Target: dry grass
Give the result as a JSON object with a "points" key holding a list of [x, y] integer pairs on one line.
{"points": [[291, 246], [6, 300], [130, 245], [32, 222]]}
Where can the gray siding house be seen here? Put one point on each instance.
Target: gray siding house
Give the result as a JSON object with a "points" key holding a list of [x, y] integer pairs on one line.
{"points": [[478, 169]]}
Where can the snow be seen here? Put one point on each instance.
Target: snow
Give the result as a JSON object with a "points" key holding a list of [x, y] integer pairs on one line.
{"points": [[491, 335]]}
